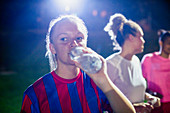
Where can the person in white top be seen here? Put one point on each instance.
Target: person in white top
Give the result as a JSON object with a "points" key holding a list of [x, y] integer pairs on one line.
{"points": [[124, 67]]}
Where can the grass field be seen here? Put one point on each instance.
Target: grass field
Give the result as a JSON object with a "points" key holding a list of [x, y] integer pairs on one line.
{"points": [[12, 86]]}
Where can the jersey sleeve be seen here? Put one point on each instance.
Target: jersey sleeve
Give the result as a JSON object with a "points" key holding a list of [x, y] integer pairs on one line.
{"points": [[26, 105], [30, 102]]}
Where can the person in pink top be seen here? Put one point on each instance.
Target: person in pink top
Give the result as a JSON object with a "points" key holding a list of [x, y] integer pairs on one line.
{"points": [[156, 70]]}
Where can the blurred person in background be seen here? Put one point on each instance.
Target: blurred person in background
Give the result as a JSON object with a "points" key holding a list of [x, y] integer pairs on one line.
{"points": [[67, 88], [156, 70], [124, 68]]}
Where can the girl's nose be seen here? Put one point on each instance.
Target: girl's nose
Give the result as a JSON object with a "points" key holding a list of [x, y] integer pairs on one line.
{"points": [[143, 40], [73, 43]]}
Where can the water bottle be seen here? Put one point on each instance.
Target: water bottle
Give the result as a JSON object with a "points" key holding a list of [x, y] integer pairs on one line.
{"points": [[90, 62]]}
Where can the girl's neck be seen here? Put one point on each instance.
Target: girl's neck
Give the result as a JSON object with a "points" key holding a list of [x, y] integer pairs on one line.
{"points": [[68, 72], [126, 56], [126, 53]]}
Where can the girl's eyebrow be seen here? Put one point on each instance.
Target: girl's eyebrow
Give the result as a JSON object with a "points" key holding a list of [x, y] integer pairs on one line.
{"points": [[61, 34], [79, 33]]}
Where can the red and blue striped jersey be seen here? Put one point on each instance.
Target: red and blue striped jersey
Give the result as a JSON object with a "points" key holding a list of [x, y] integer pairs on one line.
{"points": [[53, 94]]}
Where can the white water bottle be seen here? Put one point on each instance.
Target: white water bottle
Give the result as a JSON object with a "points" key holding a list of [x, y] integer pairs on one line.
{"points": [[90, 63]]}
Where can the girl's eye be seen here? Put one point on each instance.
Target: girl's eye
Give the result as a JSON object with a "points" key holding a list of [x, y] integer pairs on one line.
{"points": [[79, 38], [64, 39]]}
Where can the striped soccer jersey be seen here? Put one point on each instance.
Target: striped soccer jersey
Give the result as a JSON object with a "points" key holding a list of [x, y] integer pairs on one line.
{"points": [[53, 94]]}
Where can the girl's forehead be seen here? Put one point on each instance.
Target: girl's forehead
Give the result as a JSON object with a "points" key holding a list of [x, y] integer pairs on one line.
{"points": [[66, 24], [68, 28]]}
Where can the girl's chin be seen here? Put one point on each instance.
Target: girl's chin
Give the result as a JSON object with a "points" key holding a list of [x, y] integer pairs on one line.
{"points": [[142, 49]]}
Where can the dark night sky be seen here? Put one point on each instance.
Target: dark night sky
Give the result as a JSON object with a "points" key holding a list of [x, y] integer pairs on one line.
{"points": [[24, 23]]}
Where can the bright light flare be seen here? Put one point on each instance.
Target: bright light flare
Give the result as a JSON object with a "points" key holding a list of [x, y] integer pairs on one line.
{"points": [[67, 8], [69, 5]]}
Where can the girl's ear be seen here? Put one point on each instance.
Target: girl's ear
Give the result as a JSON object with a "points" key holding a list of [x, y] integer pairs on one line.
{"points": [[52, 48], [131, 37]]}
